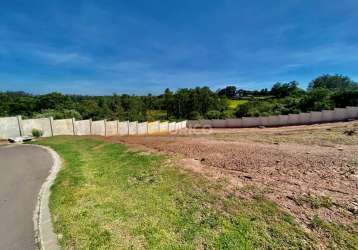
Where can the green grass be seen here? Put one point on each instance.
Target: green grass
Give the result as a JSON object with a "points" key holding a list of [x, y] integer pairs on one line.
{"points": [[315, 201], [233, 104], [340, 237], [106, 197]]}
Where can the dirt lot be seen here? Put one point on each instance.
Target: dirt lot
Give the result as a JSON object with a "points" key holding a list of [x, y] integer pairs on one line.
{"points": [[307, 170], [3, 142]]}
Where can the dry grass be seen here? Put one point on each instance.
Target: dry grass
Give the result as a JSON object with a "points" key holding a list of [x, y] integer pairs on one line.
{"points": [[325, 136]]}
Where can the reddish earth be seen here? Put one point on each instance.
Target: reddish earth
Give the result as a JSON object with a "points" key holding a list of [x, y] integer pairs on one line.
{"points": [[307, 170]]}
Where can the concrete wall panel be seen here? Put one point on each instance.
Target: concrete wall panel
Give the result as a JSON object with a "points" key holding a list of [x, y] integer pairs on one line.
{"points": [[153, 127], [219, 123], [234, 123], [265, 121], [328, 115], [143, 128], [191, 123], [172, 126], [133, 128], [340, 114], [43, 124], [304, 118], [177, 126], [251, 122], [9, 127], [83, 127], [352, 112], [293, 119], [98, 128], [273, 120], [283, 120], [199, 123], [123, 128], [182, 124], [316, 117], [164, 127], [63, 127], [111, 128]]}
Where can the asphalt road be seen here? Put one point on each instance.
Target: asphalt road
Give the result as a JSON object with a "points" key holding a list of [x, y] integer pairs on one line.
{"points": [[23, 169]]}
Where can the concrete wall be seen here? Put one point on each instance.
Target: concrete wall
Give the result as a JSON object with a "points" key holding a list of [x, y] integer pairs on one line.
{"points": [[153, 127], [304, 118], [132, 128], [9, 127], [283, 120], [234, 123], [251, 122], [111, 128], [123, 128], [352, 112], [164, 127], [316, 117], [338, 114], [177, 126], [328, 115], [83, 127], [99, 128], [293, 119], [217, 123], [63, 127], [15, 126], [43, 124], [143, 128], [172, 126], [264, 121], [199, 124]]}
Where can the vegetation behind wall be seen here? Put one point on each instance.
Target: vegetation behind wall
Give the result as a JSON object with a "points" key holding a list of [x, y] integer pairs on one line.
{"points": [[324, 92]]}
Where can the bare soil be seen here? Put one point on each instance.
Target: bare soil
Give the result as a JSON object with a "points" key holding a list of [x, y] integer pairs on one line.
{"points": [[307, 170]]}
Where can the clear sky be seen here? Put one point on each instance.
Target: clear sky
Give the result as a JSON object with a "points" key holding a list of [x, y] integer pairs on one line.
{"points": [[102, 47]]}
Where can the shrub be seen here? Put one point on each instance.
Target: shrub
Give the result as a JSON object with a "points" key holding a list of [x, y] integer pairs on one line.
{"points": [[195, 115], [37, 133], [227, 114], [213, 114]]}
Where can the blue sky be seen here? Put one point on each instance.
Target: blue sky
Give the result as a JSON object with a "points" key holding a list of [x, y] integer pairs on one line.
{"points": [[105, 47]]}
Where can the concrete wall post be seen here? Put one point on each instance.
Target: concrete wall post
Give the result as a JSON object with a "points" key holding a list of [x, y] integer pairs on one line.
{"points": [[105, 127], [51, 125], [19, 122], [73, 126], [90, 124]]}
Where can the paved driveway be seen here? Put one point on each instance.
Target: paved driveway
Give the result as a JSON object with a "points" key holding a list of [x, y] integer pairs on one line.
{"points": [[23, 169]]}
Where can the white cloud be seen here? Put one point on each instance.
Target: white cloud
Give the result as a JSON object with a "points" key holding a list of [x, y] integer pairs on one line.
{"points": [[56, 57]]}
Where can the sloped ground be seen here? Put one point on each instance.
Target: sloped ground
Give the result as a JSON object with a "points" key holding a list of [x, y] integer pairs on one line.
{"points": [[311, 171], [108, 197]]}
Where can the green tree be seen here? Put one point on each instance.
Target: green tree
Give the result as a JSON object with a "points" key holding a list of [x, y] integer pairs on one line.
{"points": [[281, 90], [229, 92], [317, 99], [346, 97], [331, 82]]}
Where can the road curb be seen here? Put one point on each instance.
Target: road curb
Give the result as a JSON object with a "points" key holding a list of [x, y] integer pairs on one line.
{"points": [[45, 237]]}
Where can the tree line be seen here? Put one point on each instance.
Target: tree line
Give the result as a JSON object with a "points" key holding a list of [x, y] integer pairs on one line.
{"points": [[324, 92]]}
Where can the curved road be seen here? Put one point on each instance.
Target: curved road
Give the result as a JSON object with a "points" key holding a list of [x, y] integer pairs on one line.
{"points": [[23, 169]]}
